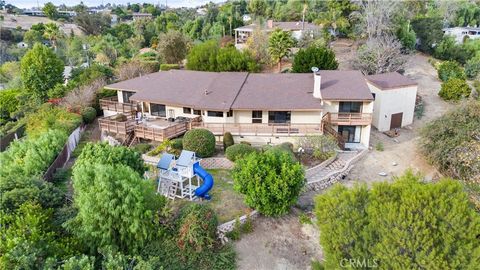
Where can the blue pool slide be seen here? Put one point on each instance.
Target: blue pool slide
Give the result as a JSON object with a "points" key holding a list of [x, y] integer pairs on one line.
{"points": [[202, 191]]}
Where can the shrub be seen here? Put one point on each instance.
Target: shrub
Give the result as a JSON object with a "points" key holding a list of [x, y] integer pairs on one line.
{"points": [[405, 215], [51, 117], [320, 57], [142, 148], [89, 114], [270, 182], [379, 146], [454, 89], [450, 69], [8, 103], [238, 151], [165, 67], [163, 147], [279, 149], [448, 49], [472, 67], [200, 141], [227, 140], [197, 229], [321, 147]]}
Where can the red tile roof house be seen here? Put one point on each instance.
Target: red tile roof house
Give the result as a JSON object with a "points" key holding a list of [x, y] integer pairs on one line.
{"points": [[297, 29], [256, 107]]}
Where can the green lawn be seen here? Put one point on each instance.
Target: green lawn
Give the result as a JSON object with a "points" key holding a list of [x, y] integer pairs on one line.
{"points": [[227, 203]]}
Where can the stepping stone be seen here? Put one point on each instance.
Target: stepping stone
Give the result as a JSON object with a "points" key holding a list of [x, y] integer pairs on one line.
{"points": [[382, 173]]}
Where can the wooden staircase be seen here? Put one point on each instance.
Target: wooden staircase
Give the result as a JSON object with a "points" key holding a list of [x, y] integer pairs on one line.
{"points": [[328, 129], [130, 139]]}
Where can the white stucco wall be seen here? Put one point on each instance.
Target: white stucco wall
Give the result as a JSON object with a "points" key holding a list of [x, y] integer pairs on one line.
{"points": [[391, 101]]}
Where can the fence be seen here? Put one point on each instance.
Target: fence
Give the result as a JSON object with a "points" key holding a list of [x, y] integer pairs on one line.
{"points": [[64, 155], [10, 137]]}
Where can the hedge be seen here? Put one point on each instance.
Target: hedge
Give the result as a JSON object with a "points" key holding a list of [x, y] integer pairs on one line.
{"points": [[238, 151], [165, 67], [200, 141]]}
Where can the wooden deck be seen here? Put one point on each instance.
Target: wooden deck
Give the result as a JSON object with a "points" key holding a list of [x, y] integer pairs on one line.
{"points": [[349, 119], [160, 134], [261, 129], [110, 124], [112, 104]]}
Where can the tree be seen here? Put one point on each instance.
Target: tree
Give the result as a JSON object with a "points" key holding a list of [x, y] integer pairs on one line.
{"points": [[231, 59], [8, 103], [52, 33], [320, 57], [40, 71], [173, 47], [378, 17], [33, 36], [28, 238], [333, 18], [429, 32], [257, 45], [116, 206], [280, 44], [200, 141], [406, 36], [448, 49], [131, 70], [93, 24], [271, 182], [257, 7], [402, 225], [50, 11], [380, 55]]}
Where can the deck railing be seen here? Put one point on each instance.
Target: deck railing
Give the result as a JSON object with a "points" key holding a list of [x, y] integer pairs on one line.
{"points": [[160, 134], [341, 118], [112, 104], [114, 125], [261, 129]]}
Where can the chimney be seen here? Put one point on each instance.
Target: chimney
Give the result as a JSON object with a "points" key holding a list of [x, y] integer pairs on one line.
{"points": [[317, 81], [269, 24]]}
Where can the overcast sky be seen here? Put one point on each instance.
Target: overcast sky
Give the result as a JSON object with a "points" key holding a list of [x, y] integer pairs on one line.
{"points": [[171, 3]]}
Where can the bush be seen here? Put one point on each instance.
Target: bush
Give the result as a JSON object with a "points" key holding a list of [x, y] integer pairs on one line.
{"points": [[454, 89], [320, 57], [8, 103], [270, 182], [450, 69], [406, 215], [238, 151], [197, 229], [51, 117], [279, 149], [165, 67], [227, 140], [142, 148], [472, 67], [379, 146], [200, 141], [448, 49], [163, 147], [89, 114]]}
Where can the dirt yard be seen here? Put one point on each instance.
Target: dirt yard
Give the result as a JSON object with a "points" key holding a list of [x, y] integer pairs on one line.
{"points": [[284, 243]]}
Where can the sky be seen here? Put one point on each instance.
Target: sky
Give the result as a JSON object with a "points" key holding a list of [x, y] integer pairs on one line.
{"points": [[171, 3]]}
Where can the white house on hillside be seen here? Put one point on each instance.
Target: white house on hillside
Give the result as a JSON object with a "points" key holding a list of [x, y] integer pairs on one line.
{"points": [[462, 33]]}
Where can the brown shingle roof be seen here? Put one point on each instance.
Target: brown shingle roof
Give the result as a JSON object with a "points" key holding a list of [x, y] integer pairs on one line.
{"points": [[186, 88], [390, 80], [240, 90], [344, 85], [277, 92]]}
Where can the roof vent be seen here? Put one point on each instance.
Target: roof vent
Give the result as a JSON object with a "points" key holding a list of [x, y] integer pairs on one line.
{"points": [[206, 92]]}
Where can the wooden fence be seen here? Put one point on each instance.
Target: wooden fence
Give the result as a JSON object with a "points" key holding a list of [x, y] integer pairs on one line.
{"points": [[10, 137]]}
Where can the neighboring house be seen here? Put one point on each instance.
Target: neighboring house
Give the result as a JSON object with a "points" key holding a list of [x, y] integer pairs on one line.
{"points": [[22, 44], [298, 29], [246, 18], [395, 97], [138, 16], [462, 33], [255, 107]]}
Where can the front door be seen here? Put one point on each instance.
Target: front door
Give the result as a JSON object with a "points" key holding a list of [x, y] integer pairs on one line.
{"points": [[396, 121]]}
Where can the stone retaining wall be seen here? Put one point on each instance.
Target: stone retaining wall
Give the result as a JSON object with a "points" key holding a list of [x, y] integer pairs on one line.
{"points": [[229, 226]]}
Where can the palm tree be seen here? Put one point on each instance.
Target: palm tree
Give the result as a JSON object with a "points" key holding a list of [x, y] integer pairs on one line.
{"points": [[52, 33], [279, 46]]}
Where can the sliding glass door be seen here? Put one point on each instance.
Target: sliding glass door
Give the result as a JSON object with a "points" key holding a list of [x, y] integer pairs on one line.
{"points": [[158, 110]]}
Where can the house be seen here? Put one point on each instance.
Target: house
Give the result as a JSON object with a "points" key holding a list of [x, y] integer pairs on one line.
{"points": [[462, 33], [256, 107], [298, 29], [394, 100], [22, 45], [138, 16]]}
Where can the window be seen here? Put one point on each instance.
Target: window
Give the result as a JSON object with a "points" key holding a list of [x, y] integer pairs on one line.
{"points": [[215, 114], [230, 113], [351, 134], [256, 117], [187, 110], [374, 96], [350, 107], [279, 117], [126, 96], [197, 112], [158, 110]]}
